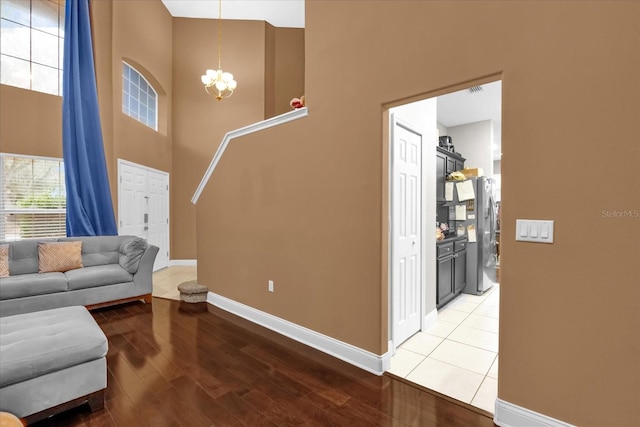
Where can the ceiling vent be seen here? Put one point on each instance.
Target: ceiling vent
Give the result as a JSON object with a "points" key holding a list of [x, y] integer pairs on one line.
{"points": [[475, 89]]}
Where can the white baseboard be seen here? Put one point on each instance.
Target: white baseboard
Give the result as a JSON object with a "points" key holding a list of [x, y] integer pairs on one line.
{"points": [[429, 319], [510, 415], [364, 359], [188, 262]]}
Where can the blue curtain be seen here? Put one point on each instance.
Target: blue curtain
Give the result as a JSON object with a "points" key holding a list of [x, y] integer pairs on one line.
{"points": [[89, 204]]}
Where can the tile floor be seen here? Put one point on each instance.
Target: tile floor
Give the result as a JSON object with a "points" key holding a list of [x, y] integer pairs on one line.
{"points": [[458, 355], [166, 281]]}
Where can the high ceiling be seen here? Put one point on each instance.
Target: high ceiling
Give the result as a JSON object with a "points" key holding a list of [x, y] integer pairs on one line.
{"points": [[279, 13]]}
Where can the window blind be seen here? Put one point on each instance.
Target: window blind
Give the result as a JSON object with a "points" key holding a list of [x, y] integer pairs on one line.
{"points": [[33, 198]]}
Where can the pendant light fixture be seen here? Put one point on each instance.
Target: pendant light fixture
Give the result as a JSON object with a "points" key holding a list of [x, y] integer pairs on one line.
{"points": [[217, 82]]}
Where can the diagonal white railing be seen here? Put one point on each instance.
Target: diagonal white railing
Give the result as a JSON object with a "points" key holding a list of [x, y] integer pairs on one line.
{"points": [[265, 124]]}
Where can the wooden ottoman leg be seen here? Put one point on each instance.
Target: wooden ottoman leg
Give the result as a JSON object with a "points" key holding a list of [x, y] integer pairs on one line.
{"points": [[96, 400]]}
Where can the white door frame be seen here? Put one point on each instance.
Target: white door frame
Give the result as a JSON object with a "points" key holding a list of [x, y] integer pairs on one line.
{"points": [[393, 119], [149, 169]]}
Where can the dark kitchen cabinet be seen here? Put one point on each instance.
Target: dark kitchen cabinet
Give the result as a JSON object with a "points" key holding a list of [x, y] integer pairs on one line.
{"points": [[451, 269], [446, 162], [441, 172], [459, 266], [445, 272]]}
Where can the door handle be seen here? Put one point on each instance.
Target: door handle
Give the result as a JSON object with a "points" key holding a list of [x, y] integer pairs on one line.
{"points": [[146, 228]]}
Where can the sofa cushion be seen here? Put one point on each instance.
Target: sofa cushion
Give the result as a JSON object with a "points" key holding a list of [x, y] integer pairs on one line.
{"points": [[23, 256], [59, 256], [99, 275], [131, 252], [98, 250], [35, 344], [26, 285], [4, 260]]}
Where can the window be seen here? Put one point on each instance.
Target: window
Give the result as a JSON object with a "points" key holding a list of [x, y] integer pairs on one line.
{"points": [[33, 198], [139, 99], [32, 44]]}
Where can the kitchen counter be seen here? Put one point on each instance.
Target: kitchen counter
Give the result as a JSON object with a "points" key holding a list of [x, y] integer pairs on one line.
{"points": [[452, 238]]}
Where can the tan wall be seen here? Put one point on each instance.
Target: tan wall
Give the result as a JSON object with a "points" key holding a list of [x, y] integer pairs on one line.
{"points": [[30, 122], [301, 204], [251, 51], [289, 67]]}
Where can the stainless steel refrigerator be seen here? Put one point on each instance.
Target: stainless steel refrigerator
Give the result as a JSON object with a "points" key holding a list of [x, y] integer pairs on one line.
{"points": [[481, 218]]}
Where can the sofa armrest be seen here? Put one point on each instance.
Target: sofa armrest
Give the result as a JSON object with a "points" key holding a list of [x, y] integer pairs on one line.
{"points": [[143, 278]]}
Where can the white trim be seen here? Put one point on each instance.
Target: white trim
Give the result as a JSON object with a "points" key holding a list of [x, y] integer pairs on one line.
{"points": [[265, 124], [376, 364], [429, 319], [175, 262], [139, 166], [510, 415]]}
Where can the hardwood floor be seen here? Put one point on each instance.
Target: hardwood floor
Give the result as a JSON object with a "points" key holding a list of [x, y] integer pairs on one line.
{"points": [[179, 364]]}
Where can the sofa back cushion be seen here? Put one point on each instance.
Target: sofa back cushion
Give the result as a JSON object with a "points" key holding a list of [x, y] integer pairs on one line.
{"points": [[131, 251], [98, 250], [23, 256], [103, 250]]}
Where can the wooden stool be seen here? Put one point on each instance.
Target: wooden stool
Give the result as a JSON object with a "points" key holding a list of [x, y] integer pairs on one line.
{"points": [[192, 291]]}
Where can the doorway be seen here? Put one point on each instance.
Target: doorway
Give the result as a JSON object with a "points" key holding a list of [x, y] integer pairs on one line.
{"points": [[457, 342], [143, 206]]}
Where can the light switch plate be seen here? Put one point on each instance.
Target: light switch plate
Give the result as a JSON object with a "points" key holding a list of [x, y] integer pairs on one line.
{"points": [[534, 230]]}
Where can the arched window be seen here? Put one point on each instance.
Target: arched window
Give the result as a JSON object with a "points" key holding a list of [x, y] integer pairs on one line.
{"points": [[139, 98]]}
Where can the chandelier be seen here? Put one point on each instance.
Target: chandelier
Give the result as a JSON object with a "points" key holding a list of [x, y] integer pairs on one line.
{"points": [[217, 82]]}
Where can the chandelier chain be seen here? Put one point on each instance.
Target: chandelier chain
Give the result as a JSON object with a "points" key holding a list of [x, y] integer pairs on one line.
{"points": [[219, 34]]}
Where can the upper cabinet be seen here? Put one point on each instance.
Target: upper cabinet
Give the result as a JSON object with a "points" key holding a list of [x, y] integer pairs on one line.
{"points": [[446, 162]]}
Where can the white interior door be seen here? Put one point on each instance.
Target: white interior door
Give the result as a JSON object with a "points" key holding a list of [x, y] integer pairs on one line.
{"points": [[143, 207], [158, 221], [406, 231], [132, 203]]}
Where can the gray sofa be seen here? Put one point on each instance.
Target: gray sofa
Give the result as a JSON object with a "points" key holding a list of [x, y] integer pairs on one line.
{"points": [[115, 269]]}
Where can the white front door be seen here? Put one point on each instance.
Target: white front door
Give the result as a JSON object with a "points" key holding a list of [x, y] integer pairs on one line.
{"points": [[406, 274], [143, 207]]}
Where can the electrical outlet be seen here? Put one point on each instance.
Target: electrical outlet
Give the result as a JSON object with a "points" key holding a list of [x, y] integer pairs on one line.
{"points": [[270, 285]]}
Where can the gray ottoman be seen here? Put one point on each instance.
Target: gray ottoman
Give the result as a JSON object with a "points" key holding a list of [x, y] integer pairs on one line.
{"points": [[51, 361], [192, 291]]}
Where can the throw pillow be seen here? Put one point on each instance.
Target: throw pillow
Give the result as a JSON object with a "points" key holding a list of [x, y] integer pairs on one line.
{"points": [[59, 256], [4, 260]]}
